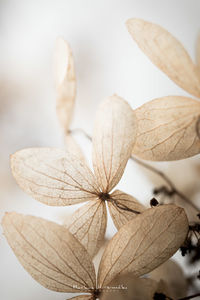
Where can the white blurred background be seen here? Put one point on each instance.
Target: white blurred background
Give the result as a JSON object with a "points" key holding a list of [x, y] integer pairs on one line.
{"points": [[107, 61]]}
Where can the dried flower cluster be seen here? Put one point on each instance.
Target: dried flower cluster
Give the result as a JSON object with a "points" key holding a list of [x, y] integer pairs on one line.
{"points": [[60, 257]]}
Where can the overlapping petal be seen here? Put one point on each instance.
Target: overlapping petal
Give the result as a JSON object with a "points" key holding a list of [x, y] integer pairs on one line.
{"points": [[122, 208], [50, 253], [73, 147], [88, 225], [53, 176], [113, 140], [144, 243]]}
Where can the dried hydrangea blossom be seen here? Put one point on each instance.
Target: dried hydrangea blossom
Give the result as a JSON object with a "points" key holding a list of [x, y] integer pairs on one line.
{"points": [[58, 261], [168, 128], [56, 177]]}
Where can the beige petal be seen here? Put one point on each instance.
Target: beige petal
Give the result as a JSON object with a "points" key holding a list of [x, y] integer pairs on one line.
{"points": [[198, 53], [50, 253], [167, 53], [123, 201], [173, 275], [65, 83], [144, 243], [73, 147], [114, 136], [129, 287], [167, 129], [53, 176], [88, 225], [163, 288]]}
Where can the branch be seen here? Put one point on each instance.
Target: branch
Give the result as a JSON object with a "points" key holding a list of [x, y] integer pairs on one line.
{"points": [[126, 208], [173, 189], [190, 297]]}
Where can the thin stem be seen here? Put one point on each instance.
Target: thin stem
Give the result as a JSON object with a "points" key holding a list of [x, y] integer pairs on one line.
{"points": [[190, 297], [154, 170], [174, 190], [126, 208]]}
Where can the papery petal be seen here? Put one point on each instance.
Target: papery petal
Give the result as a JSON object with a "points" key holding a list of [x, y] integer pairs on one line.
{"points": [[167, 129], [65, 83], [50, 253], [144, 243], [127, 202], [53, 176], [167, 53], [73, 147], [88, 225], [114, 136], [198, 53]]}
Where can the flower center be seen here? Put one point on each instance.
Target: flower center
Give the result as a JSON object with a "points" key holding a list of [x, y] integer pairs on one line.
{"points": [[104, 196], [96, 293]]}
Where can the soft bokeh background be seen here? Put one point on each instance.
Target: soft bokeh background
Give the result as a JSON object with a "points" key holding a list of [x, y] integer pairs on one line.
{"points": [[107, 61]]}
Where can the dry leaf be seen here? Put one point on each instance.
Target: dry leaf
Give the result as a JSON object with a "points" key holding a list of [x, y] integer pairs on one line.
{"points": [[50, 253], [173, 275], [119, 213], [167, 129], [114, 137], [129, 287], [65, 83], [144, 243], [53, 176], [88, 225], [167, 53]]}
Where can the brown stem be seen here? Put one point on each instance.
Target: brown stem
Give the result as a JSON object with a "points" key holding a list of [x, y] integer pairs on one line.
{"points": [[174, 190], [190, 297], [126, 208], [107, 197]]}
